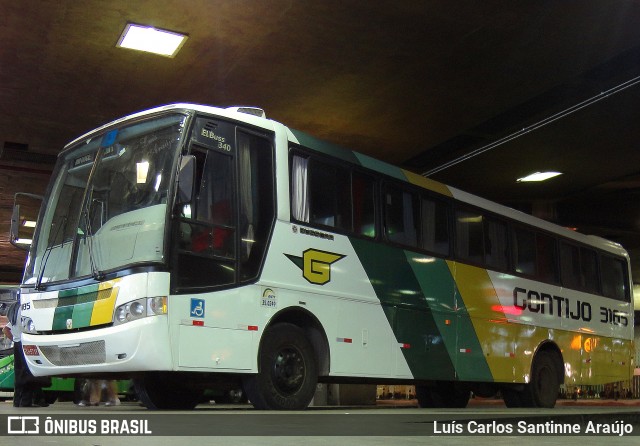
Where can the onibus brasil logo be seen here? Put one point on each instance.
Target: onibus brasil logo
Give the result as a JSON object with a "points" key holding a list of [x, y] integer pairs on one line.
{"points": [[316, 265]]}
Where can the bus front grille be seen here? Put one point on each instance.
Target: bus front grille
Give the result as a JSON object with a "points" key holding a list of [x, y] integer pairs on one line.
{"points": [[83, 354]]}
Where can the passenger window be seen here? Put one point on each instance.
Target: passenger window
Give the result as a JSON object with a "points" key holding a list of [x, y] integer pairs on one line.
{"points": [[329, 195], [524, 256], [469, 236], [495, 244], [401, 216], [579, 268], [363, 199], [614, 278], [546, 258], [589, 266], [570, 266], [435, 226], [300, 188]]}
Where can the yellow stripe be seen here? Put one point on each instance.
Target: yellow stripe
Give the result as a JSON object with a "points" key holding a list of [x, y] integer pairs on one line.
{"points": [[509, 347], [104, 305], [427, 183], [497, 337]]}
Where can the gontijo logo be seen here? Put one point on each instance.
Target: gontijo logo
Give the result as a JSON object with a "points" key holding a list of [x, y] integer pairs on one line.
{"points": [[316, 265]]}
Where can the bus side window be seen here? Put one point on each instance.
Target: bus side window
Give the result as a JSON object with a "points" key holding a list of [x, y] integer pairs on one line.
{"points": [[495, 244], [329, 195], [435, 226], [579, 268], [524, 256], [469, 236], [320, 193], [614, 282], [570, 266], [300, 188], [401, 216], [589, 269], [363, 200], [546, 258]]}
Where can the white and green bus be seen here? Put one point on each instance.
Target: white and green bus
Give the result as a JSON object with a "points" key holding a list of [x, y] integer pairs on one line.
{"points": [[191, 247]]}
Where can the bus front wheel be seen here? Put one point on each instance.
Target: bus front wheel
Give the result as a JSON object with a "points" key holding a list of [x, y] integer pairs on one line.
{"points": [[288, 371]]}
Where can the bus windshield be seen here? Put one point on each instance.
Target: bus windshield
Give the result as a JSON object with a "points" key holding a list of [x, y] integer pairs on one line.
{"points": [[108, 202]]}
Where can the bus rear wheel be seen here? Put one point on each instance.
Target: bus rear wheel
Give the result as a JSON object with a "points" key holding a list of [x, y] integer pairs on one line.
{"points": [[443, 394], [166, 391], [288, 371], [543, 387], [545, 382]]}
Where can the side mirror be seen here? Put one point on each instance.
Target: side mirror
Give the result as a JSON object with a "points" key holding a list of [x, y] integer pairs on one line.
{"points": [[185, 179], [23, 219]]}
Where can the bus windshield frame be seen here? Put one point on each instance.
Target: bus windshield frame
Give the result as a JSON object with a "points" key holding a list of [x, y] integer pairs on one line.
{"points": [[108, 202]]}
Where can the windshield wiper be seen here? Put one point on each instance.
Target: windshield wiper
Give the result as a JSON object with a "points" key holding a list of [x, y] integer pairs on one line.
{"points": [[88, 238], [47, 252]]}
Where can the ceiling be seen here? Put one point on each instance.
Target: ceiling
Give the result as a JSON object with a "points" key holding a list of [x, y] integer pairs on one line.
{"points": [[474, 94]]}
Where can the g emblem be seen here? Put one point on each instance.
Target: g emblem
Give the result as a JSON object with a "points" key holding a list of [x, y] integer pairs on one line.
{"points": [[316, 265]]}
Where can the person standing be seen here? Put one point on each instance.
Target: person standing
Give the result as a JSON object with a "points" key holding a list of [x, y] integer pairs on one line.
{"points": [[27, 388], [95, 391]]}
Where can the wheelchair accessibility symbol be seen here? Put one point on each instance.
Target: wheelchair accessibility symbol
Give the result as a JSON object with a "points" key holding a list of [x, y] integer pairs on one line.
{"points": [[197, 307]]}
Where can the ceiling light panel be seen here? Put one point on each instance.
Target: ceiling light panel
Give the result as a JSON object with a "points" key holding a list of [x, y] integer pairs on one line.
{"points": [[538, 176], [151, 40]]}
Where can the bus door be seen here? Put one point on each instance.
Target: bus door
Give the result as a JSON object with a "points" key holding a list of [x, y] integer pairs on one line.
{"points": [[220, 238], [222, 234]]}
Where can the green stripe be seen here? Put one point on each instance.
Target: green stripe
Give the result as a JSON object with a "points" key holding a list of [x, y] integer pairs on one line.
{"points": [[60, 317], [380, 166], [442, 294], [425, 310], [75, 304], [408, 309], [319, 145]]}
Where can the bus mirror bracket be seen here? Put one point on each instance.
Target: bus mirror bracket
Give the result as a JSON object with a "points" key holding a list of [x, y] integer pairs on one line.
{"points": [[185, 179], [19, 231]]}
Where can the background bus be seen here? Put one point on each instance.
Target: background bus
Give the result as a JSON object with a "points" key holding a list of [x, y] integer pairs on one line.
{"points": [[190, 247]]}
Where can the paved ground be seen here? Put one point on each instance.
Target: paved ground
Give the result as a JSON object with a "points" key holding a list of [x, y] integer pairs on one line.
{"points": [[390, 423]]}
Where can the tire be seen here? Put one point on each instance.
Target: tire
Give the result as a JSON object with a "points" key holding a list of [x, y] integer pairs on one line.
{"points": [[443, 394], [287, 370], [545, 384], [166, 391], [517, 398], [542, 390]]}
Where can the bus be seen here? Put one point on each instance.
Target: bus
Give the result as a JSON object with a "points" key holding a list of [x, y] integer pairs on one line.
{"points": [[190, 247]]}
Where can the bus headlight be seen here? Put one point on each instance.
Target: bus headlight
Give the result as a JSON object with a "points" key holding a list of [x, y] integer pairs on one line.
{"points": [[136, 309], [139, 309]]}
